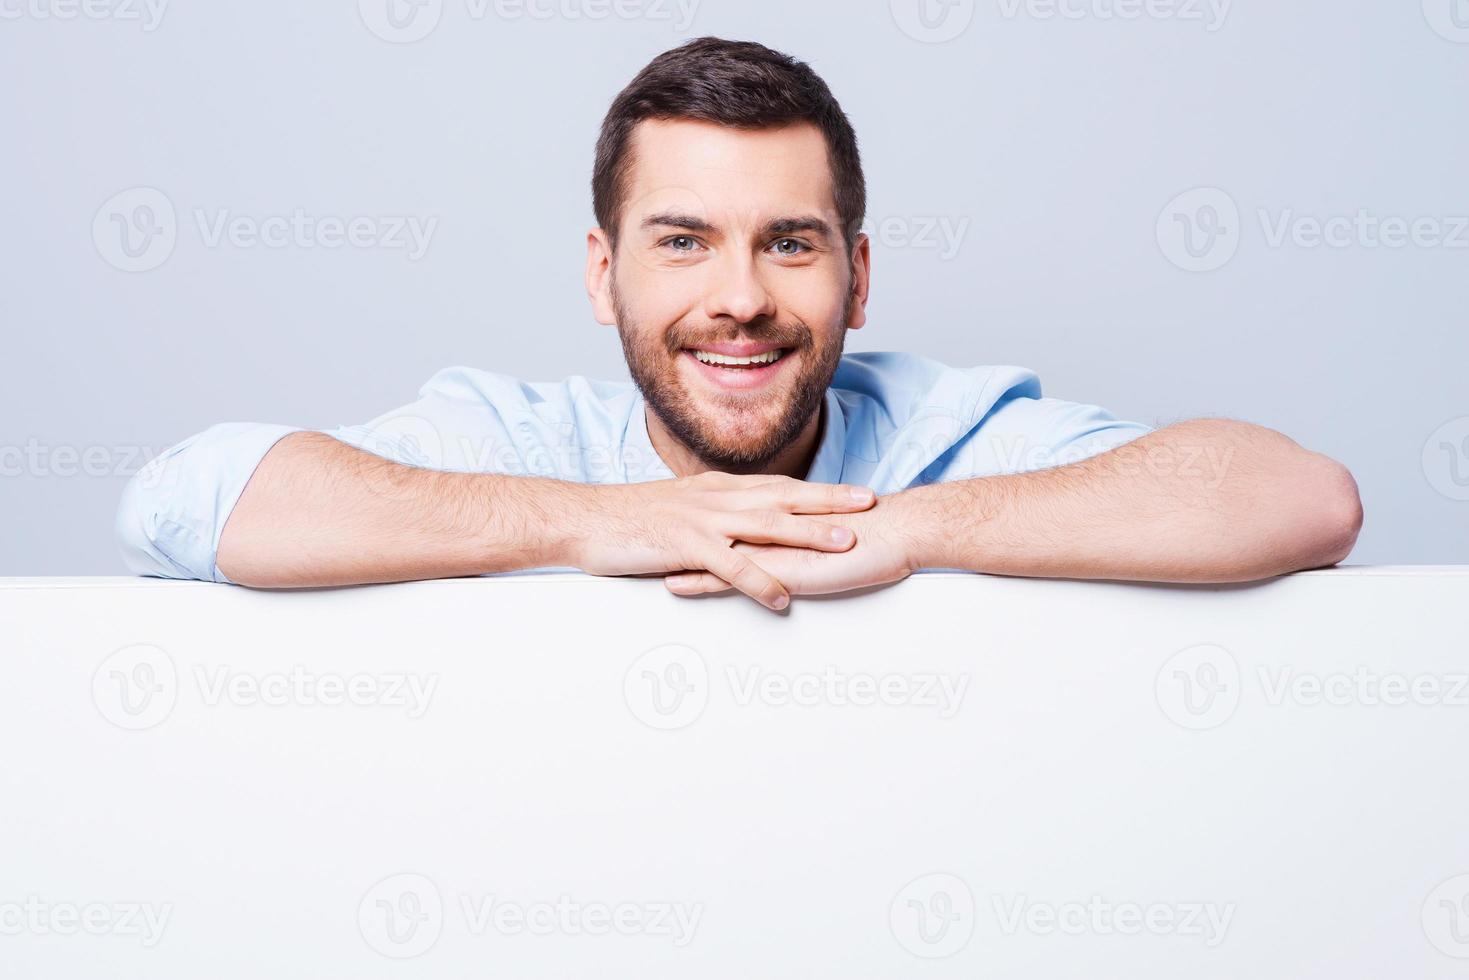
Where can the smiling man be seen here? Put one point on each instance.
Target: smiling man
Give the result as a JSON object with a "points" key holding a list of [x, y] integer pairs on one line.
{"points": [[748, 452]]}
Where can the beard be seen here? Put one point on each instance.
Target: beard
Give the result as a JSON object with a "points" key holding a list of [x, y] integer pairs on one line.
{"points": [[741, 437]]}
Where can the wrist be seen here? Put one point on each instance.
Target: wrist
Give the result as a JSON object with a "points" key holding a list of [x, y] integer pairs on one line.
{"points": [[577, 513], [937, 525], [907, 516]]}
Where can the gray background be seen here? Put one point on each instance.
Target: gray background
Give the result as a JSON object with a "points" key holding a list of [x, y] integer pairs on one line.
{"points": [[1055, 144]]}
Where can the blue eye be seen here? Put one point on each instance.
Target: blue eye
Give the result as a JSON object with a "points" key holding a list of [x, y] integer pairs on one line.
{"points": [[789, 246], [681, 243]]}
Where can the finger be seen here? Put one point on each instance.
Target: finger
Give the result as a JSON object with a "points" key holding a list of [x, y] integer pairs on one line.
{"points": [[774, 527], [696, 583], [800, 497], [748, 577]]}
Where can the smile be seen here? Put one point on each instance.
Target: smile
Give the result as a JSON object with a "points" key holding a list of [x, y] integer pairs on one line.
{"points": [[738, 370], [727, 360]]}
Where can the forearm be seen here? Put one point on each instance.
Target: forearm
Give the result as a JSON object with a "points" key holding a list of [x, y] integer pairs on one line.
{"points": [[318, 512], [1202, 501]]}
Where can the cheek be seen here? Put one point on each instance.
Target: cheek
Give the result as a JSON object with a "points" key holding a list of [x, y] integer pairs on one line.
{"points": [[819, 301], [654, 300]]}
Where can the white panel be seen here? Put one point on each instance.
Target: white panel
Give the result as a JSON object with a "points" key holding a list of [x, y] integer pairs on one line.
{"points": [[1059, 779]]}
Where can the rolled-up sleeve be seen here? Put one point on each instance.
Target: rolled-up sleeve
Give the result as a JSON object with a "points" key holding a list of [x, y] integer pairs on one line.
{"points": [[1023, 434], [174, 509]]}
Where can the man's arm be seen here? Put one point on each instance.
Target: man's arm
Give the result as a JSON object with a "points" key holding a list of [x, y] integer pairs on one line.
{"points": [[1200, 501], [317, 512]]}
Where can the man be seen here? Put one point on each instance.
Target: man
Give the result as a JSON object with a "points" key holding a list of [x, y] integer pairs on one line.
{"points": [[750, 453]]}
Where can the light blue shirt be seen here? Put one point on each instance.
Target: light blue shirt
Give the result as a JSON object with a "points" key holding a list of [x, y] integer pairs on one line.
{"points": [[892, 421]]}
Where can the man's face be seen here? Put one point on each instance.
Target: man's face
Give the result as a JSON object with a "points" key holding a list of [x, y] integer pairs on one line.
{"points": [[730, 249]]}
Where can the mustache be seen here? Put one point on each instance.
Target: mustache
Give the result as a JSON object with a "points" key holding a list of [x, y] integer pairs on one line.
{"points": [[795, 335]]}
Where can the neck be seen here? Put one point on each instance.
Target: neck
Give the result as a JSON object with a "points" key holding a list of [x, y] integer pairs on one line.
{"points": [[793, 461]]}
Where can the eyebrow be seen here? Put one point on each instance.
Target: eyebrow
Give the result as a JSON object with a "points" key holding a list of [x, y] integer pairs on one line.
{"points": [[787, 225]]}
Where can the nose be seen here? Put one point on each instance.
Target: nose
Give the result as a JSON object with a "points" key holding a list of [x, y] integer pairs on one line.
{"points": [[738, 292]]}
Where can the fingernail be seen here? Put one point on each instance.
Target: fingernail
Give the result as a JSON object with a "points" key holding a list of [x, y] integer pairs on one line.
{"points": [[861, 494], [841, 535], [781, 602]]}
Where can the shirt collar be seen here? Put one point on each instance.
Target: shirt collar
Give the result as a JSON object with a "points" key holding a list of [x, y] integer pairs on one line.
{"points": [[831, 451]]}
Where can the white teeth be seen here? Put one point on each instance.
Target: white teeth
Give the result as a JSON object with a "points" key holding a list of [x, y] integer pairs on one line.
{"points": [[769, 357]]}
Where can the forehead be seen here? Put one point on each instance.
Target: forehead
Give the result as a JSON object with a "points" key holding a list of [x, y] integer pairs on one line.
{"points": [[717, 171]]}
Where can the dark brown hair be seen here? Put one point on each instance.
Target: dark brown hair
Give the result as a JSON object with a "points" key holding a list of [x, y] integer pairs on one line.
{"points": [[732, 83]]}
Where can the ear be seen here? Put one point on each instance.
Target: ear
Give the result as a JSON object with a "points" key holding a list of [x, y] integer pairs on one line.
{"points": [[599, 276], [861, 279]]}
